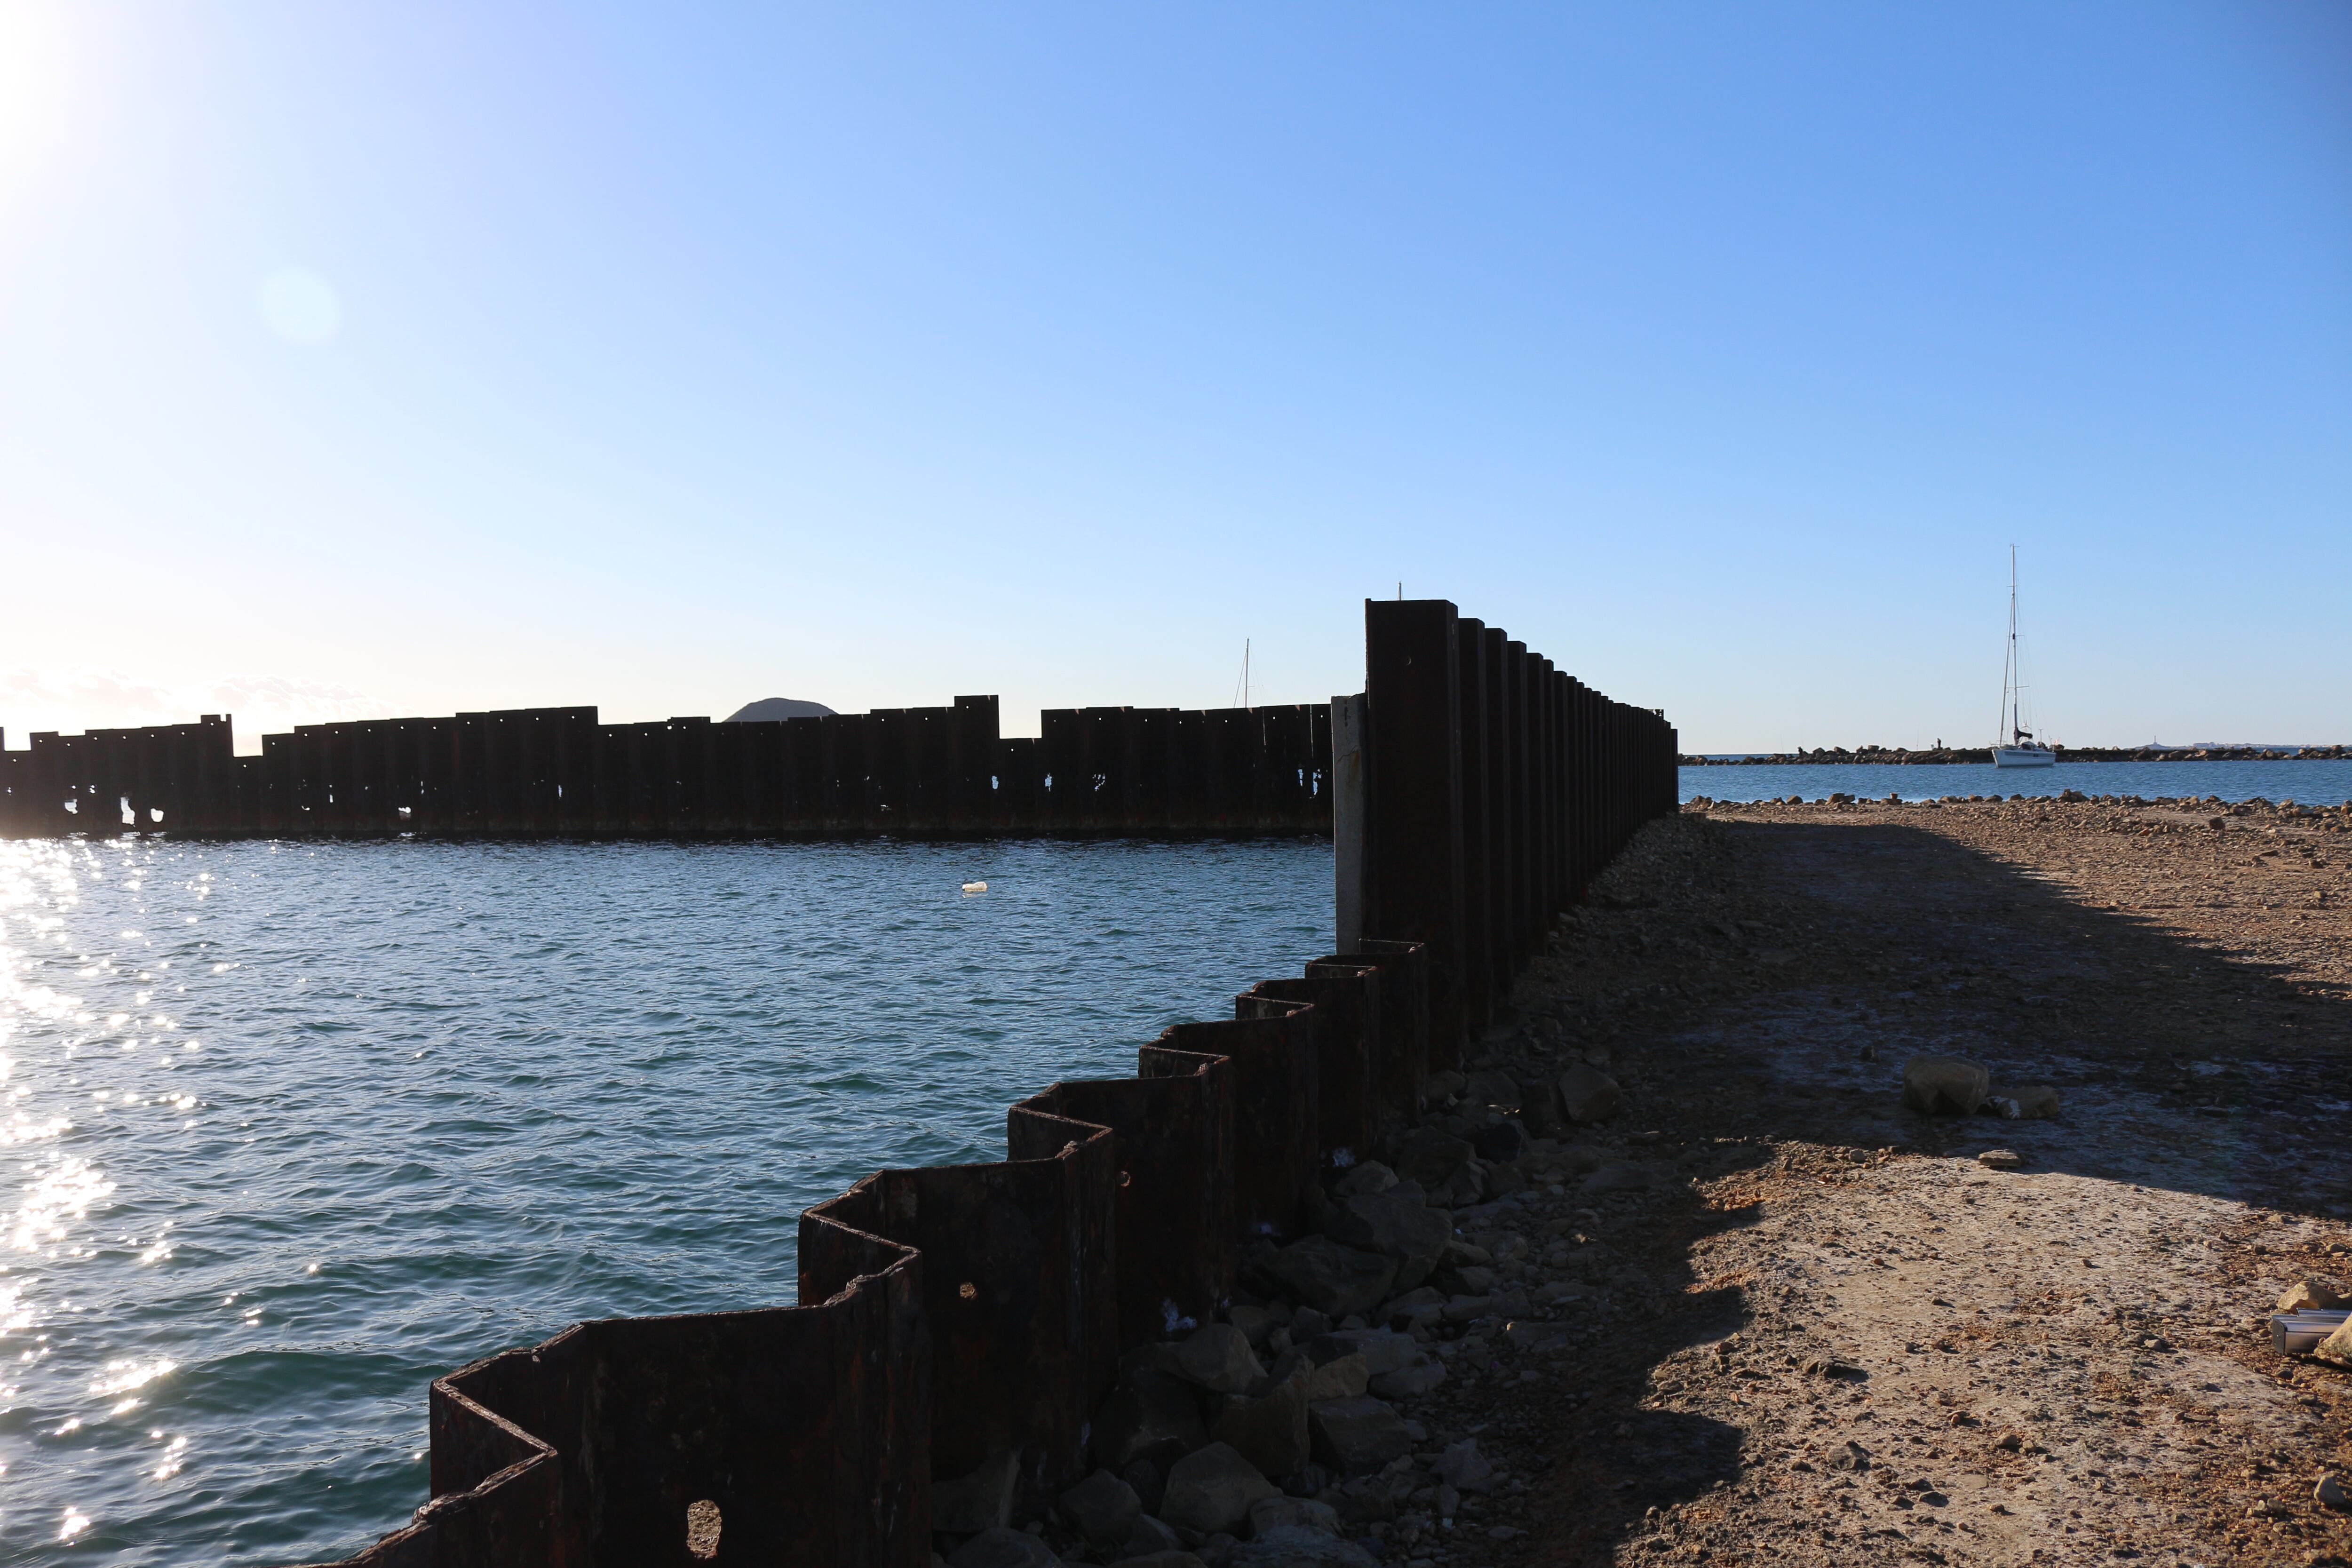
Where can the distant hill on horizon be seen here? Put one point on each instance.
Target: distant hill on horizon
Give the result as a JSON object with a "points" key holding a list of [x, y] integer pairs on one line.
{"points": [[768, 710]]}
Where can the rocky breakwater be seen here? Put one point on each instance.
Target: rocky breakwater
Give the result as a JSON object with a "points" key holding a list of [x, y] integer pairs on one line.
{"points": [[1290, 1433]]}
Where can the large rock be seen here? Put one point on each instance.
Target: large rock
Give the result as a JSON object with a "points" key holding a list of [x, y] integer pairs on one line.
{"points": [[998, 1547], [1367, 1500], [1413, 1310], [1341, 1379], [1462, 1467], [2337, 1347], [1504, 1143], [1217, 1357], [1382, 1350], [1431, 1157], [1298, 1546], [1403, 1229], [1275, 1512], [1257, 1324], [1152, 1417], [1294, 1359], [1270, 1431], [1588, 1094], [1582, 1159], [1944, 1086], [1151, 1538], [1104, 1509], [977, 1502], [1539, 1108], [1331, 1278], [1529, 1336], [1365, 1176], [1357, 1436], [1467, 1279], [2308, 1293], [1493, 1088], [1211, 1489], [1148, 1481], [2037, 1102], [1625, 1176], [1409, 1382], [1472, 1183]]}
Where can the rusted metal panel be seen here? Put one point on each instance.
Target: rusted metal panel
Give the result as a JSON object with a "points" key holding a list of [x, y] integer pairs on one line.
{"points": [[1477, 967], [1511, 798], [1231, 744], [1346, 992], [1277, 1141], [1188, 773], [1020, 1292], [1098, 774], [723, 784], [808, 1426], [1018, 806], [972, 765], [1345, 793], [1414, 792], [1404, 1059], [1173, 1126], [537, 771], [1058, 749], [834, 756]]}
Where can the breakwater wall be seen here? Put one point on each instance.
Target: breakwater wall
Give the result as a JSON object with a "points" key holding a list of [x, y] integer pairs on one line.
{"points": [[1882, 755], [557, 772], [963, 1323]]}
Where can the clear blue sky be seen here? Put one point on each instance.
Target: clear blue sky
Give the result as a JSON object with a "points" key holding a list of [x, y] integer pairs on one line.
{"points": [[372, 359]]}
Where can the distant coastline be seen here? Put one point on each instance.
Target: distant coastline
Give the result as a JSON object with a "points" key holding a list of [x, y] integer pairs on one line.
{"points": [[1881, 757]]}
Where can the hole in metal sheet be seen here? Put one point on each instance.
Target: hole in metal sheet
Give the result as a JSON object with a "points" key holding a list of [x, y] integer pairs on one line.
{"points": [[1124, 1178], [702, 1523]]}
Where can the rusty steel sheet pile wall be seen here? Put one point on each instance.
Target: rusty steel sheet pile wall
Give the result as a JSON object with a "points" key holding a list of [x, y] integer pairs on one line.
{"points": [[557, 772], [961, 1321]]}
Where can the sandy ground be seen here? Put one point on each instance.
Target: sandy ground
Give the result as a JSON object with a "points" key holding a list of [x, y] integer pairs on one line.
{"points": [[1817, 1328]]}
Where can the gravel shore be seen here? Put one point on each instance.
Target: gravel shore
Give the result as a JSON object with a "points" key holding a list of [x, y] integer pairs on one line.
{"points": [[1817, 1328]]}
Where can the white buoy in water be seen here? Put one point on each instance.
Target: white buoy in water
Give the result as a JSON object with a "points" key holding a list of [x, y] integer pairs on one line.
{"points": [[975, 887]]}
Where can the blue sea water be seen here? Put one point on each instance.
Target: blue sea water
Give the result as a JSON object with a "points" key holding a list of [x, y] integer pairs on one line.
{"points": [[290, 1129], [2320, 782]]}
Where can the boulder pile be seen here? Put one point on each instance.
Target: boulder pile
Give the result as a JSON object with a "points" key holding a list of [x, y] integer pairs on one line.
{"points": [[1955, 1086], [1283, 1435]]}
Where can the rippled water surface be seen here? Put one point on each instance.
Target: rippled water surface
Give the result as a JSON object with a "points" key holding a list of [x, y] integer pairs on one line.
{"points": [[289, 1130], [2326, 782]]}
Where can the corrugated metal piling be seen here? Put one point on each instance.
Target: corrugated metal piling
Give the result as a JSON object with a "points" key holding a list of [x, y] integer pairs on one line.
{"points": [[536, 773], [953, 1316]]}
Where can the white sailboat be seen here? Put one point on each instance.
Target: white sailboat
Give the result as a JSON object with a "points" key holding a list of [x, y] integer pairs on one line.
{"points": [[2020, 748]]}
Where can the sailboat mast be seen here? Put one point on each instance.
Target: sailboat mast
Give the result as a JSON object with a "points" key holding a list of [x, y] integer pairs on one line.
{"points": [[2009, 664]]}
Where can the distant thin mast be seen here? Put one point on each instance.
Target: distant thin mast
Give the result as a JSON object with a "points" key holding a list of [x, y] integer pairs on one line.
{"points": [[2011, 719]]}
